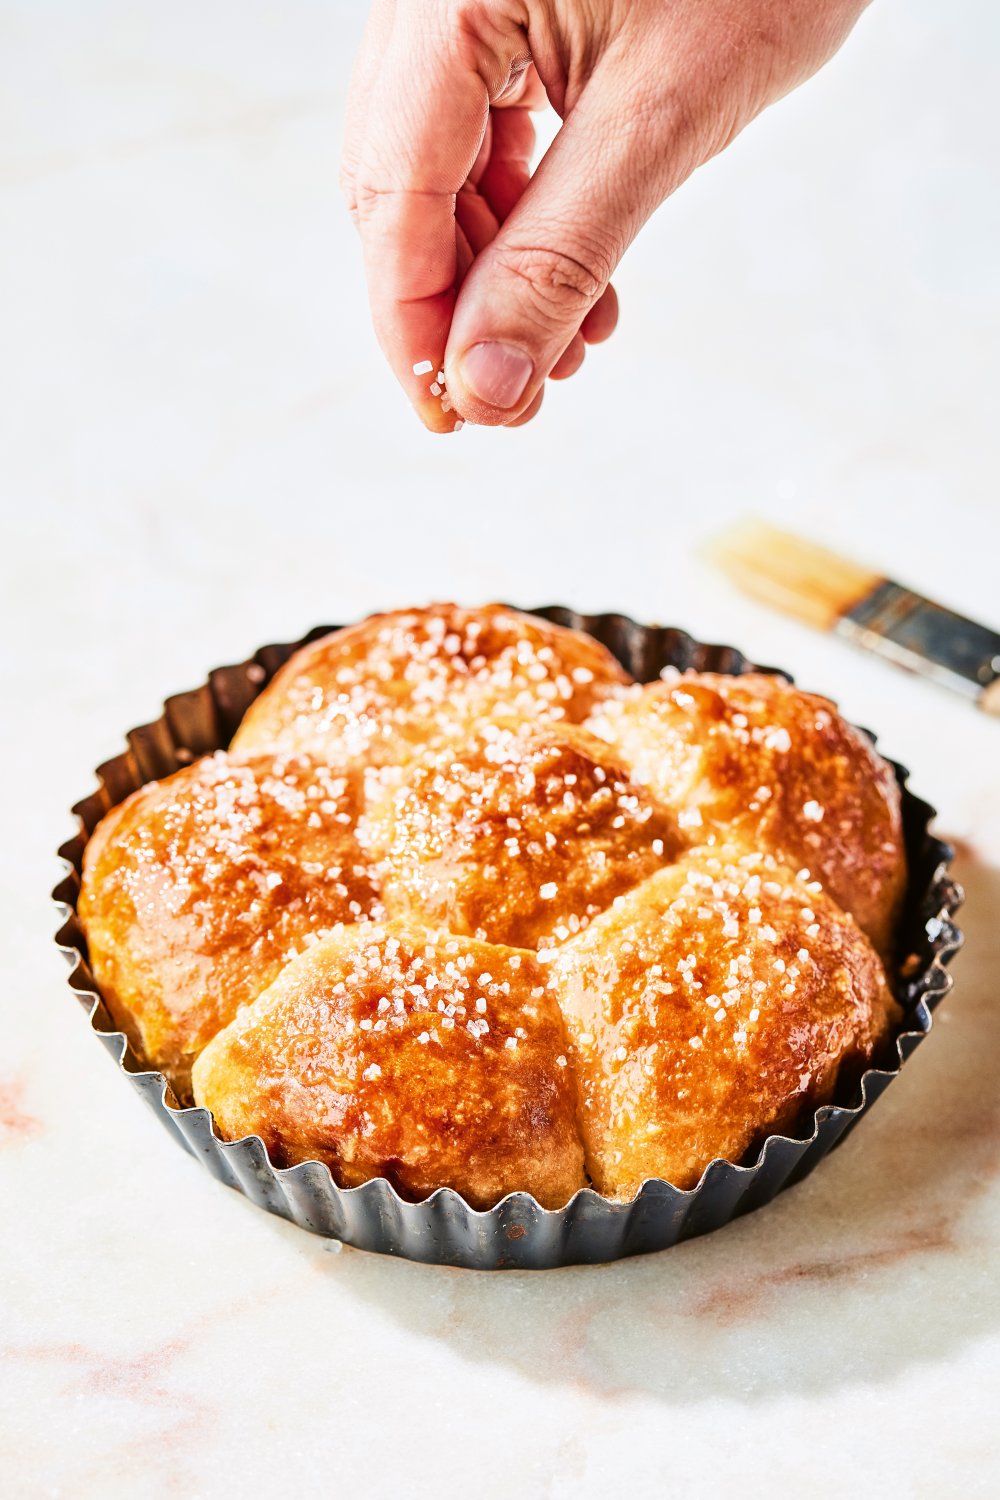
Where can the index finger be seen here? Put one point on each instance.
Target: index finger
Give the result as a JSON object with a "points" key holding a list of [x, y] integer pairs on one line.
{"points": [[426, 124]]}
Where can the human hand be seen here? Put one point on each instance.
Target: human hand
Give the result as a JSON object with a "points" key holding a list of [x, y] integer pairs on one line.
{"points": [[500, 278]]}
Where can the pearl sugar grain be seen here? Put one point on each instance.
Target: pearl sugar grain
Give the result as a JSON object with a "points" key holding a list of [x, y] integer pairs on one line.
{"points": [[438, 388]]}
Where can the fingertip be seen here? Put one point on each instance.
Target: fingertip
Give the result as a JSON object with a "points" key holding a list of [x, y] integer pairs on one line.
{"points": [[602, 319], [530, 411], [437, 414], [488, 383], [570, 360], [476, 219]]}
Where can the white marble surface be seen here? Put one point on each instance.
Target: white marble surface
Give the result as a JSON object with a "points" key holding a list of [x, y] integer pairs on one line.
{"points": [[201, 450]]}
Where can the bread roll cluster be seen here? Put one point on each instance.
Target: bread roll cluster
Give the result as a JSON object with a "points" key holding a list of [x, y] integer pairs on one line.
{"points": [[463, 906]]}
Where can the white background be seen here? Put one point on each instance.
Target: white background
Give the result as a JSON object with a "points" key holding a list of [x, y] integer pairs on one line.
{"points": [[200, 450]]}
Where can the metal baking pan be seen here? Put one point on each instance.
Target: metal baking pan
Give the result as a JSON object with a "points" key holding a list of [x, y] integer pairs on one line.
{"points": [[518, 1232]]}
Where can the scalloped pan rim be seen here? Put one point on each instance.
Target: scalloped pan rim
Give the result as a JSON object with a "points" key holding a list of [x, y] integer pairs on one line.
{"points": [[517, 1231]]}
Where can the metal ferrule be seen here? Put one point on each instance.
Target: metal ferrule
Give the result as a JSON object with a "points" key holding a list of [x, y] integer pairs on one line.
{"points": [[925, 638]]}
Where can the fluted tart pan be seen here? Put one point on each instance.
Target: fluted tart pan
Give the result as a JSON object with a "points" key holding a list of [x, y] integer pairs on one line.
{"points": [[518, 1232]]}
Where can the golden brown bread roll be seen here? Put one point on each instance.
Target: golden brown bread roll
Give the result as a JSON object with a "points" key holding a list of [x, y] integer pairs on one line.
{"points": [[399, 682], [707, 1008], [706, 1003], [516, 837], [752, 759], [385, 1052], [197, 890]]}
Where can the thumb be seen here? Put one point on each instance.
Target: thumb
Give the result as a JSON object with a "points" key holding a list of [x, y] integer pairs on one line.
{"points": [[527, 293]]}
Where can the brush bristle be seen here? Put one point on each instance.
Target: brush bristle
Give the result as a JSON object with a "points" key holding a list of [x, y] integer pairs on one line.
{"points": [[791, 574]]}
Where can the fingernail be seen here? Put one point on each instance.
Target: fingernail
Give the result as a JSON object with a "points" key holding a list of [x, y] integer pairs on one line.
{"points": [[496, 373]]}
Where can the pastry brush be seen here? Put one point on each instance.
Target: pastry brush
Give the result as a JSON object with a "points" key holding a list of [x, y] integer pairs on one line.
{"points": [[867, 608]]}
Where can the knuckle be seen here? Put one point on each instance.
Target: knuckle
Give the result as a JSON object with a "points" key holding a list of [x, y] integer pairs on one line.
{"points": [[348, 187], [366, 201], [561, 285]]}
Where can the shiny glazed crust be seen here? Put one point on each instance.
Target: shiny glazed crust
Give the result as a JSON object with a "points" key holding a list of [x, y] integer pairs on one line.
{"points": [[396, 683], [197, 890], [755, 760], [388, 1052], [710, 992], [708, 1006], [516, 838]]}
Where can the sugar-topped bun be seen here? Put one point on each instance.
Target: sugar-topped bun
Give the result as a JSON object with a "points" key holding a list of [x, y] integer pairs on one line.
{"points": [[516, 837], [196, 890], [708, 1008], [464, 905], [396, 683], [434, 1062], [756, 760]]}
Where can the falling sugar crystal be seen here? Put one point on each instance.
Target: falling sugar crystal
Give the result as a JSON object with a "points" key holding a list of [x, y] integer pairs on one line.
{"points": [[424, 367]]}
